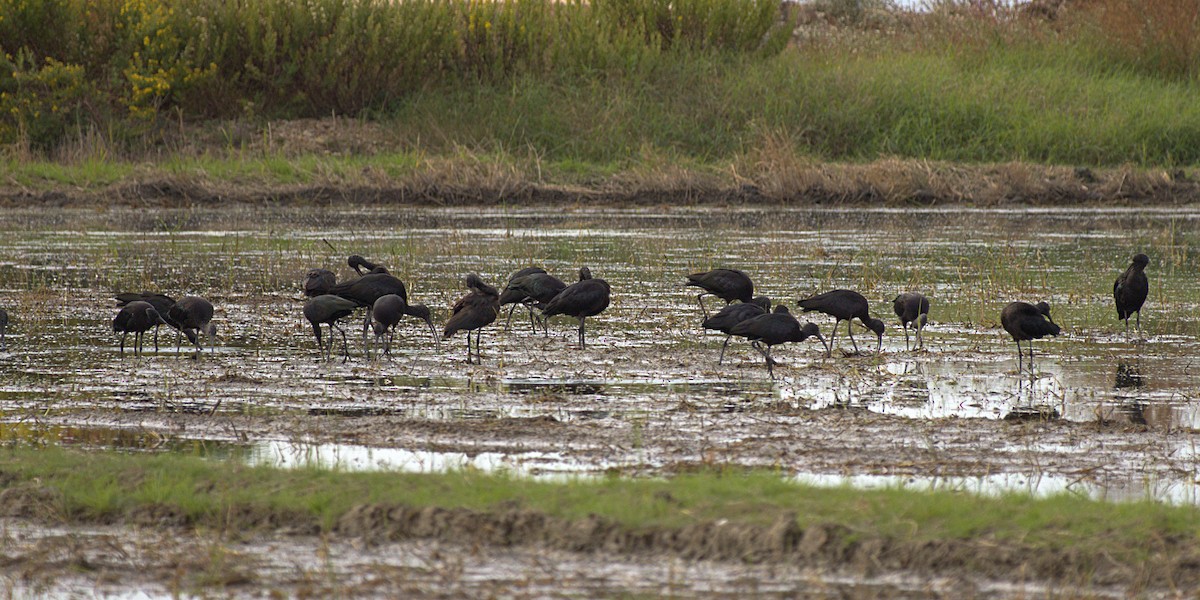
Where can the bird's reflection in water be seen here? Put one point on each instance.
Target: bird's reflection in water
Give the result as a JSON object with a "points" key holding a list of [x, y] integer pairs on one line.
{"points": [[1128, 376]]}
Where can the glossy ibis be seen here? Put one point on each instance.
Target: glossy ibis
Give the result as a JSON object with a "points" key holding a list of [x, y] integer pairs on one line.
{"points": [[317, 282], [3, 330], [844, 305], [912, 308], [586, 298], [363, 266], [726, 284], [193, 316], [327, 309], [388, 310], [1027, 322], [775, 328], [473, 312], [136, 317], [731, 315], [1130, 290], [161, 303], [534, 288], [370, 287]]}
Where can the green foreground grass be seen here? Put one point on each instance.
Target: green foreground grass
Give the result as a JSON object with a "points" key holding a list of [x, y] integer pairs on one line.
{"points": [[108, 486]]}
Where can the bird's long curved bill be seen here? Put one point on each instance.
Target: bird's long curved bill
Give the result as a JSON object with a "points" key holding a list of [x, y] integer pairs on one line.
{"points": [[433, 330]]}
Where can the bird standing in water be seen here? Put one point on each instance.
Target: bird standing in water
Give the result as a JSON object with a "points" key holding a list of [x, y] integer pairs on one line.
{"points": [[844, 305], [1130, 290], [1026, 322], [773, 329], [585, 298], [726, 284], [728, 317], [473, 312], [136, 317], [912, 308]]}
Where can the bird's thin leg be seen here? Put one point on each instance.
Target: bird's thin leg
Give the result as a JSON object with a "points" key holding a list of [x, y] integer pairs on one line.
{"points": [[582, 335], [832, 339], [700, 299], [509, 320], [366, 325], [850, 332], [721, 359], [468, 347], [123, 334], [532, 318], [345, 343], [906, 335], [1020, 358], [156, 338]]}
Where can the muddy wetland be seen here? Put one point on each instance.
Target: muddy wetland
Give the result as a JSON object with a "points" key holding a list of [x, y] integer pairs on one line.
{"points": [[1104, 414]]}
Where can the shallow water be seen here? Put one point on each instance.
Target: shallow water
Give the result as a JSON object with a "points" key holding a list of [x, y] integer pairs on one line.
{"points": [[646, 356]]}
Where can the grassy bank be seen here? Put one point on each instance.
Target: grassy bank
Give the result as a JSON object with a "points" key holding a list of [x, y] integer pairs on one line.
{"points": [[1084, 538], [595, 87]]}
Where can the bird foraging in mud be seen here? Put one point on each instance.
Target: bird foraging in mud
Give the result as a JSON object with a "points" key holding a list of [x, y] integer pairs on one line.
{"points": [[192, 315], [726, 284], [728, 317], [912, 308], [532, 287], [1130, 290], [365, 290], [473, 312], [773, 329], [586, 298], [388, 310], [1026, 322], [328, 309], [161, 303], [136, 317], [844, 305]]}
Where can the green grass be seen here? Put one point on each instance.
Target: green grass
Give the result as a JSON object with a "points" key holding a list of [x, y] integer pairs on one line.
{"points": [[593, 93], [108, 486]]}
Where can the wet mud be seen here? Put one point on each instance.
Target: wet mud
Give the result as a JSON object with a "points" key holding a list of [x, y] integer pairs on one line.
{"points": [[1103, 414]]}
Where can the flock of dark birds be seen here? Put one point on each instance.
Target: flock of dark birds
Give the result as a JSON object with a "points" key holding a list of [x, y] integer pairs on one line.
{"points": [[386, 301]]}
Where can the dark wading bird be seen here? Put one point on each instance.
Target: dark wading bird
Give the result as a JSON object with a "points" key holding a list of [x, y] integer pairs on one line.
{"points": [[317, 282], [773, 329], [374, 285], [473, 312], [1130, 290], [388, 310], [136, 317], [363, 266], [725, 320], [193, 315], [912, 308], [586, 298], [3, 330], [726, 284], [161, 303], [327, 309], [1027, 322], [844, 305], [533, 287]]}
